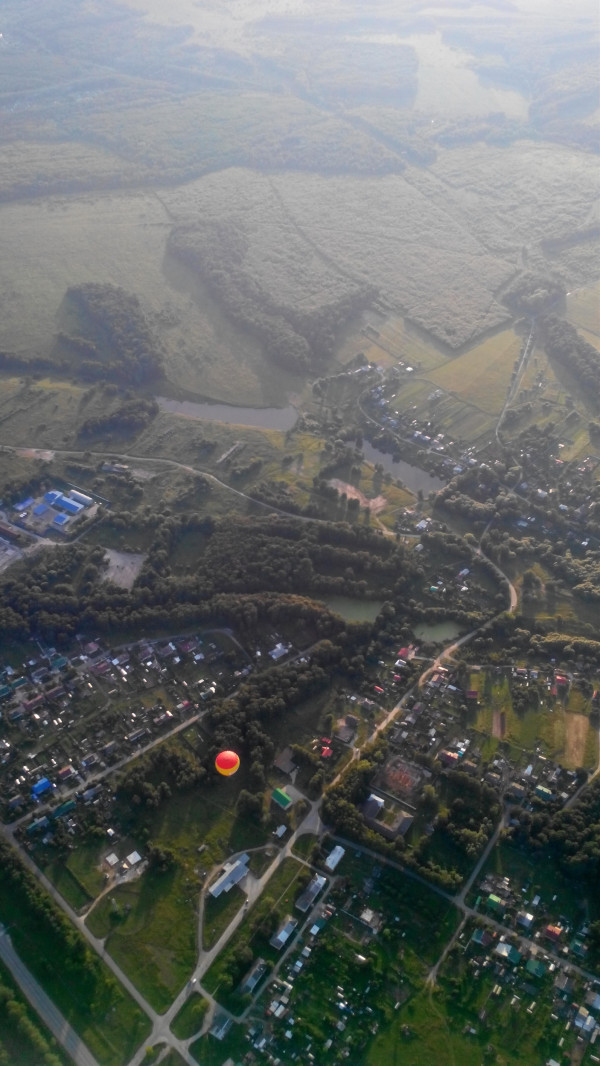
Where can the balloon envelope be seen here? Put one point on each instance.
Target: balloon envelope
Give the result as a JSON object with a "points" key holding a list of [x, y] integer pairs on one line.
{"points": [[227, 762]]}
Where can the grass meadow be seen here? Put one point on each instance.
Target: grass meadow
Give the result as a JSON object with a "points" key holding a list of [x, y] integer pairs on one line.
{"points": [[165, 904], [481, 375], [106, 1018], [121, 238], [561, 729], [189, 1019], [398, 339], [583, 311]]}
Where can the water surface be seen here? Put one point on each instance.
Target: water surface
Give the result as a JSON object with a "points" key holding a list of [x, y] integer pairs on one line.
{"points": [[281, 418], [354, 610], [414, 477], [446, 85], [437, 632]]}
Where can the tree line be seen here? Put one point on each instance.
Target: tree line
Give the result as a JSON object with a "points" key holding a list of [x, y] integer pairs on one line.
{"points": [[564, 344], [296, 339], [121, 344]]}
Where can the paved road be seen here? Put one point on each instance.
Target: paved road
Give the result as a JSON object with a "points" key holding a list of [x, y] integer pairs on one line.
{"points": [[253, 888], [43, 1005]]}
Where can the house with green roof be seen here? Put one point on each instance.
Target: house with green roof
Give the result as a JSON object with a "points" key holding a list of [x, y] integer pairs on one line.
{"points": [[495, 904], [281, 798], [508, 953], [535, 968]]}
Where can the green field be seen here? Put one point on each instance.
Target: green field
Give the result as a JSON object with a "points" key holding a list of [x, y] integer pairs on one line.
{"points": [[165, 904], [444, 1023], [211, 1052], [397, 340], [562, 731], [189, 1019], [433, 1038], [481, 375], [583, 311], [218, 914], [121, 238], [79, 879], [83, 988]]}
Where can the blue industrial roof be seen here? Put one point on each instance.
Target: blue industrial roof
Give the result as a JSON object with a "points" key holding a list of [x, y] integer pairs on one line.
{"points": [[41, 508], [61, 519], [24, 504], [69, 505], [51, 496]]}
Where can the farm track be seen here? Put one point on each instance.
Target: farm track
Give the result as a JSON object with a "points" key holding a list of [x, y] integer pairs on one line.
{"points": [[523, 364]]}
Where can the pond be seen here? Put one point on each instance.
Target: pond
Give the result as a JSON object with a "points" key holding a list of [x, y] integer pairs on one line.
{"points": [[437, 632], [282, 418], [446, 84], [353, 610], [414, 477]]}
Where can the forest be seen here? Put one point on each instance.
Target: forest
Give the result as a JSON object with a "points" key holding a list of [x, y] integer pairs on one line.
{"points": [[82, 986], [121, 345], [569, 837], [296, 338], [252, 561], [578, 356]]}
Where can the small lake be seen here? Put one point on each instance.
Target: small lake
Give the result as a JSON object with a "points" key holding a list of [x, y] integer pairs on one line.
{"points": [[353, 610], [437, 632], [414, 477], [446, 84], [281, 418]]}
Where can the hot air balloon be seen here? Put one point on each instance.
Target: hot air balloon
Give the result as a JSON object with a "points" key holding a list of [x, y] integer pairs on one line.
{"points": [[227, 762]]}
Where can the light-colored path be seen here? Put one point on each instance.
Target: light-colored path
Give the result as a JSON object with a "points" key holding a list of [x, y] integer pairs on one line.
{"points": [[43, 1005]]}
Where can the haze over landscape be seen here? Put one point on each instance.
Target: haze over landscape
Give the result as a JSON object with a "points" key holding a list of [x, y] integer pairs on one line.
{"points": [[299, 461]]}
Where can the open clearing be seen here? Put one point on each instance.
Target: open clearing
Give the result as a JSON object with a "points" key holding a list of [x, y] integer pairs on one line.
{"points": [[123, 567], [583, 311], [121, 239], [390, 340], [481, 375], [563, 732], [577, 726], [375, 505]]}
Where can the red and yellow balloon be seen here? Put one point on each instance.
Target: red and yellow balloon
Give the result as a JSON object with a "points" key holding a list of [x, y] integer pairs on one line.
{"points": [[227, 763]]}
